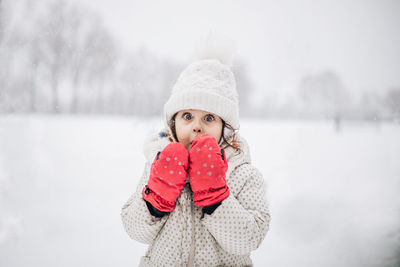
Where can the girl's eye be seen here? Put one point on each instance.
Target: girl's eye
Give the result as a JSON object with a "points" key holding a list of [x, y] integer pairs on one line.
{"points": [[209, 118], [187, 116]]}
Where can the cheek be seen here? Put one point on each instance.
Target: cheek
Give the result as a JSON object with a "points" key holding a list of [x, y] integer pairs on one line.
{"points": [[181, 136], [216, 132], [182, 133]]}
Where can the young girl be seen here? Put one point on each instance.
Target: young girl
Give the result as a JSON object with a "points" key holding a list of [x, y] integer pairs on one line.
{"points": [[200, 202]]}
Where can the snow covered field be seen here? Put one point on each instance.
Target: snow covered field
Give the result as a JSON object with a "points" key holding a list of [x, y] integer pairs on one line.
{"points": [[334, 197]]}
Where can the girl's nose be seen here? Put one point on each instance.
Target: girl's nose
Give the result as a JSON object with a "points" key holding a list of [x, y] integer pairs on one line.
{"points": [[197, 129]]}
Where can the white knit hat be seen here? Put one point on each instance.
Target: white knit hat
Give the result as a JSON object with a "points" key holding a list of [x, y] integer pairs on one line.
{"points": [[207, 85]]}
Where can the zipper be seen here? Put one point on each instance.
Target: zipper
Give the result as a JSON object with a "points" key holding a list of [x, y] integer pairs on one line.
{"points": [[193, 241]]}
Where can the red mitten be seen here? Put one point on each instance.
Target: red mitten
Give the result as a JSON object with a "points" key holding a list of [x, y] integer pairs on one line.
{"points": [[167, 177], [207, 171]]}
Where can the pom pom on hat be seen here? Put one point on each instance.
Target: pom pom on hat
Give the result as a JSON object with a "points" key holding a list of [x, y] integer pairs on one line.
{"points": [[207, 84], [215, 46]]}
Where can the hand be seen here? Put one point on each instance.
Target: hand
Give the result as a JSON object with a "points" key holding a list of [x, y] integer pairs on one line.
{"points": [[167, 177], [207, 168]]}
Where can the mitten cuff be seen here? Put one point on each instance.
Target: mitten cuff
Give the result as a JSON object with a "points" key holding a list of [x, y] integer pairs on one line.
{"points": [[210, 209], [211, 196], [156, 201], [155, 212]]}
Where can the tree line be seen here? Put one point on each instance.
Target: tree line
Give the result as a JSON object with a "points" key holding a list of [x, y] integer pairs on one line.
{"points": [[56, 57]]}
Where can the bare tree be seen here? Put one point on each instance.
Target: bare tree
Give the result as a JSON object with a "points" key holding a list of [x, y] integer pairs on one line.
{"points": [[5, 57], [78, 56], [2, 21], [67, 61], [371, 106], [102, 56], [392, 102], [55, 46], [324, 94]]}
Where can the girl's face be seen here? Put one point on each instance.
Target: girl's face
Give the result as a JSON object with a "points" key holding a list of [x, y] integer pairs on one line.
{"points": [[190, 123]]}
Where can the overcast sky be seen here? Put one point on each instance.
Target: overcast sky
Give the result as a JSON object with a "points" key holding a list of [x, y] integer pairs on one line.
{"points": [[281, 41]]}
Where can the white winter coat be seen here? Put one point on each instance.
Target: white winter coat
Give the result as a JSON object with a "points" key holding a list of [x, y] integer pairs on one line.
{"points": [[186, 237]]}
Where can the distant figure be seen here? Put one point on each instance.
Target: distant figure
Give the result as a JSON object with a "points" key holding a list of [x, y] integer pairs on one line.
{"points": [[200, 202], [377, 120]]}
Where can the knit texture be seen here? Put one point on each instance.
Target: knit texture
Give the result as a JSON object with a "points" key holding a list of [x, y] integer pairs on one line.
{"points": [[207, 85]]}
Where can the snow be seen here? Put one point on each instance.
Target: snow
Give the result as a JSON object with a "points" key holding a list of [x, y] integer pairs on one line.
{"points": [[63, 179]]}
